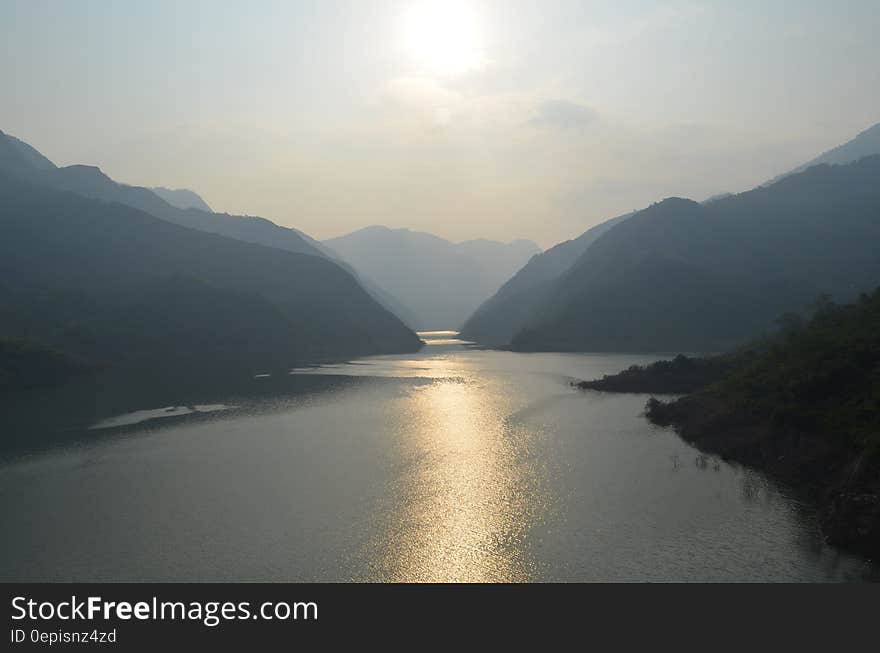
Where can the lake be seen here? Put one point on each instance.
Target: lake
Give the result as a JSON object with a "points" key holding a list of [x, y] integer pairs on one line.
{"points": [[452, 464]]}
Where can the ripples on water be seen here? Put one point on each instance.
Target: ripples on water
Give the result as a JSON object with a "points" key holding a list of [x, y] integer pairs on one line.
{"points": [[454, 464]]}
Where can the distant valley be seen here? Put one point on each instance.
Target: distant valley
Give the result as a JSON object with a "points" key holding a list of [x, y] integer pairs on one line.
{"points": [[114, 274], [439, 283]]}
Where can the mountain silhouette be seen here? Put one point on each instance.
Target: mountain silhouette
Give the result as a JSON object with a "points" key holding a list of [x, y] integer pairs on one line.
{"points": [[182, 198], [498, 318], [120, 287], [867, 143], [514, 306], [439, 282], [23, 161], [17, 157], [683, 276]]}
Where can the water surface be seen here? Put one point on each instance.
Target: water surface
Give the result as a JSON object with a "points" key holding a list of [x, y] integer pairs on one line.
{"points": [[453, 464]]}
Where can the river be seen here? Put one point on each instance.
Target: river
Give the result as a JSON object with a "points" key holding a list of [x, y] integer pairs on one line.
{"points": [[453, 464]]}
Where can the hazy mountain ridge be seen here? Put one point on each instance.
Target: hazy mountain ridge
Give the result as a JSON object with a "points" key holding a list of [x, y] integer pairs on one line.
{"points": [[23, 161], [16, 154], [118, 286], [497, 319], [91, 182], [681, 276], [182, 198], [18, 159], [866, 143], [440, 282], [518, 303]]}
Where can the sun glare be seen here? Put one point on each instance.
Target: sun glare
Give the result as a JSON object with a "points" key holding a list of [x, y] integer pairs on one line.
{"points": [[444, 36]]}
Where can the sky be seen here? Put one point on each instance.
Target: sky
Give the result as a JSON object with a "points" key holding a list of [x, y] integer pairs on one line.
{"points": [[500, 119]]}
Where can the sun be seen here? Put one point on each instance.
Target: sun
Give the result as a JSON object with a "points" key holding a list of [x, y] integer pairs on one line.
{"points": [[444, 36]]}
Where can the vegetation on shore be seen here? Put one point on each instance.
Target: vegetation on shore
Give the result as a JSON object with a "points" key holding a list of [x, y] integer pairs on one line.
{"points": [[804, 406], [681, 375]]}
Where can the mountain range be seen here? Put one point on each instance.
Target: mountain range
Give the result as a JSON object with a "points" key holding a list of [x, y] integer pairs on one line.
{"points": [[686, 276], [497, 319], [440, 282], [866, 143], [116, 275], [90, 181]]}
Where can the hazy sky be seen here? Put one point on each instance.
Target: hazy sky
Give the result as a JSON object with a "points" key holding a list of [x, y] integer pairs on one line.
{"points": [[484, 118]]}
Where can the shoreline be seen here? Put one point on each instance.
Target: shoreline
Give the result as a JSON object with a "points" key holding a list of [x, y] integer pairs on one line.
{"points": [[840, 481], [836, 475]]}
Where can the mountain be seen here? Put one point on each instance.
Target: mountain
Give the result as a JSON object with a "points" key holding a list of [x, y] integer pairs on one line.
{"points": [[90, 181], [23, 161], [865, 144], [117, 286], [440, 282], [182, 198], [507, 257], [683, 276], [18, 155], [498, 318]]}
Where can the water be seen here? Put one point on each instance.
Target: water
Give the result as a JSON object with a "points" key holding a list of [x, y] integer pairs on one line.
{"points": [[450, 464]]}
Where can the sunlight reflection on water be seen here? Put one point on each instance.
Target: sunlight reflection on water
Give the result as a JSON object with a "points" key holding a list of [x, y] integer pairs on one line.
{"points": [[435, 338], [451, 464], [466, 496], [464, 504]]}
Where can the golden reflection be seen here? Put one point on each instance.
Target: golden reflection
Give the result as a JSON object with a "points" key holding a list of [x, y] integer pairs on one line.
{"points": [[435, 338], [466, 493]]}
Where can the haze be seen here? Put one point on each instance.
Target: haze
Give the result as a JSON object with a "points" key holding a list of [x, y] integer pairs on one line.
{"points": [[509, 120]]}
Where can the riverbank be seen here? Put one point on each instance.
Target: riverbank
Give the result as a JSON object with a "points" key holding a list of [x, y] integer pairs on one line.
{"points": [[681, 375], [802, 407], [841, 480]]}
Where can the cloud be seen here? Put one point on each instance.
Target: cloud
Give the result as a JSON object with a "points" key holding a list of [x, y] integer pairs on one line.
{"points": [[564, 114]]}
